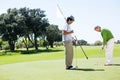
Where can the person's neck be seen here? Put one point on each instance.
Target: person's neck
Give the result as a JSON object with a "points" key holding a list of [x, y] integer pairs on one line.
{"points": [[68, 23]]}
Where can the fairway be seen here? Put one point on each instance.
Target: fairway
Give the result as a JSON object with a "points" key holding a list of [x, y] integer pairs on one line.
{"points": [[92, 69]]}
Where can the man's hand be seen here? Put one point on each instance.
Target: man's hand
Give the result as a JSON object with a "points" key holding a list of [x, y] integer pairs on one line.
{"points": [[74, 39], [72, 31], [103, 47]]}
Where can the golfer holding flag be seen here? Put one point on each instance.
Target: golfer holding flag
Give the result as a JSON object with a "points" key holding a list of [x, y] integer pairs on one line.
{"points": [[67, 39], [108, 41]]}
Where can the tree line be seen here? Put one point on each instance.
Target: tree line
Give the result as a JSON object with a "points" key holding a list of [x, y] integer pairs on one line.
{"points": [[27, 24]]}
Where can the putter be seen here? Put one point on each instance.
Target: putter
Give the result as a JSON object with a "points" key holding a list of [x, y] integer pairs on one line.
{"points": [[81, 48]]}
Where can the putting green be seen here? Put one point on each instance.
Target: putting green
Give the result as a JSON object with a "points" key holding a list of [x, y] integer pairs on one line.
{"points": [[91, 69]]}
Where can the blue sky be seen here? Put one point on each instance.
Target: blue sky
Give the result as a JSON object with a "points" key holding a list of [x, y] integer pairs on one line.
{"points": [[87, 13]]}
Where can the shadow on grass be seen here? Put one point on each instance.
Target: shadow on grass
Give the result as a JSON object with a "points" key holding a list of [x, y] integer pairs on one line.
{"points": [[115, 65], [39, 51], [88, 69], [29, 51]]}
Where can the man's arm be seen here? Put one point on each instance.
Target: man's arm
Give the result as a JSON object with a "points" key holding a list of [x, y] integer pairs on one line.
{"points": [[104, 35], [65, 32]]}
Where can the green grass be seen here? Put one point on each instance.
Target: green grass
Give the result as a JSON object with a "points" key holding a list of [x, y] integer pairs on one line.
{"points": [[55, 70], [20, 57], [49, 65], [3, 79], [55, 53]]}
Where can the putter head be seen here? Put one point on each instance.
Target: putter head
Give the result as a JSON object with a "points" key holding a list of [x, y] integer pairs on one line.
{"points": [[87, 57]]}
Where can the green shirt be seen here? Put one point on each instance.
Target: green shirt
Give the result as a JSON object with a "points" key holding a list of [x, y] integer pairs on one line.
{"points": [[106, 35]]}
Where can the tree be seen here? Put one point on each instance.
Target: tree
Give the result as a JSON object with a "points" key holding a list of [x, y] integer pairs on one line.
{"points": [[82, 42], [97, 43], [35, 23], [23, 22], [118, 41], [59, 37], [1, 42], [52, 33], [29, 24], [8, 27]]}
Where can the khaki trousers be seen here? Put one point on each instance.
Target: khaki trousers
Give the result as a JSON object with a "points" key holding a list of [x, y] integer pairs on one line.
{"points": [[68, 53], [109, 51]]}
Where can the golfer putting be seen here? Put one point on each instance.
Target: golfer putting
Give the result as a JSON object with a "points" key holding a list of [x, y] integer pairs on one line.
{"points": [[108, 42]]}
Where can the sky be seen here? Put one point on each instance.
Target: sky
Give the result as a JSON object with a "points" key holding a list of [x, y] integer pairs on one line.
{"points": [[87, 13]]}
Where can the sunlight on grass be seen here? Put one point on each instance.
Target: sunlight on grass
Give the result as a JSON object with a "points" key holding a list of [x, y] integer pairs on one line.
{"points": [[53, 53]]}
